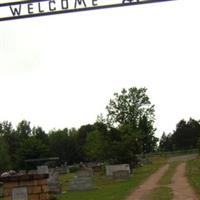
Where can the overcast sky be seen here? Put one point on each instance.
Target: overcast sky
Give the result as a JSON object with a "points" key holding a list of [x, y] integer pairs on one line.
{"points": [[60, 71]]}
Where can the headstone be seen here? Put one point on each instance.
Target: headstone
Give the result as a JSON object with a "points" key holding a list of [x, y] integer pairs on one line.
{"points": [[82, 181], [43, 169], [121, 174], [19, 193], [53, 182], [62, 170], [84, 173], [113, 168], [145, 161]]}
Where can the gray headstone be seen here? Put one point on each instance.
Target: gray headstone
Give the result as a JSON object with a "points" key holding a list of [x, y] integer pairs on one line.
{"points": [[81, 184], [43, 169], [113, 168], [121, 174], [82, 181], [53, 181], [19, 193], [84, 173]]}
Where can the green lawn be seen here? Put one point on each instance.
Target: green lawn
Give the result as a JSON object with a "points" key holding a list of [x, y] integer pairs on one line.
{"points": [[108, 189], [193, 174]]}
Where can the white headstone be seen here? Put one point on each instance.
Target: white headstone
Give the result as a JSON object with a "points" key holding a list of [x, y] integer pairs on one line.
{"points": [[113, 168], [19, 193], [43, 169]]}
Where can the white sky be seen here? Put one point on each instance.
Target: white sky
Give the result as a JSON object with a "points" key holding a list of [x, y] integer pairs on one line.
{"points": [[60, 71]]}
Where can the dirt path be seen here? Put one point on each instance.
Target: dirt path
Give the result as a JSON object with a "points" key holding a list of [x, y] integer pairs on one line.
{"points": [[180, 186], [148, 185]]}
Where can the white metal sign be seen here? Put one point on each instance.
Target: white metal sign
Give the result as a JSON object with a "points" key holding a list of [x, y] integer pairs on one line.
{"points": [[16, 9]]}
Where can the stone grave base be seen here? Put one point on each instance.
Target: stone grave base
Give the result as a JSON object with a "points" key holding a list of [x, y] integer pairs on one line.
{"points": [[81, 184], [121, 174]]}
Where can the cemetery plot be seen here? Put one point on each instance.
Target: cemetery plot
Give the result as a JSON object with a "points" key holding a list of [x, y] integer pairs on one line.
{"points": [[110, 169], [82, 181], [121, 174]]}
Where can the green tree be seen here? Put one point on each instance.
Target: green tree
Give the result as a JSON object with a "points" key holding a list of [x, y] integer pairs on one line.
{"points": [[11, 140], [149, 141], [82, 135], [166, 143], [63, 144], [95, 146], [186, 134], [23, 130], [31, 148], [4, 156], [129, 107], [40, 134], [132, 108]]}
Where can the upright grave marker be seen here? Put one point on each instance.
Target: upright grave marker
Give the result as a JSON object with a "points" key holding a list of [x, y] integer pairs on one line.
{"points": [[110, 169], [82, 181]]}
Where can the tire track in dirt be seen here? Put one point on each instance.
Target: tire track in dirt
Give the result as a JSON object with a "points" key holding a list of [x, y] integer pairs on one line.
{"points": [[151, 183], [180, 186]]}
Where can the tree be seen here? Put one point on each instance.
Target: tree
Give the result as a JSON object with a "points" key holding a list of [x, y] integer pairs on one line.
{"points": [[95, 146], [63, 144], [30, 148], [129, 107], [133, 108], [166, 143], [186, 134], [149, 141], [11, 140], [40, 134], [4, 156], [23, 129], [82, 134]]}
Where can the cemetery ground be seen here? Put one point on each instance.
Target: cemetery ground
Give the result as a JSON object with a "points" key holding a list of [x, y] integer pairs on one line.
{"points": [[176, 181], [167, 178], [108, 189]]}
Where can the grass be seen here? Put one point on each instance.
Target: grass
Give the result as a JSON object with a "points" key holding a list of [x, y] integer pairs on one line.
{"points": [[161, 193], [193, 174], [107, 188], [167, 177]]}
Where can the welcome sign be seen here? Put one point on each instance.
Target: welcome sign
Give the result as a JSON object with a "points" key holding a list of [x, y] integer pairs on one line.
{"points": [[10, 10]]}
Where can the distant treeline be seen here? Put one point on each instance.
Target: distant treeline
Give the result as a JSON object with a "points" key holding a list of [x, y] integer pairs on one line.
{"points": [[126, 131], [185, 137]]}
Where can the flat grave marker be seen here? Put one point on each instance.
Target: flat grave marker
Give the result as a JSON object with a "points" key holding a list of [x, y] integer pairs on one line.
{"points": [[20, 193]]}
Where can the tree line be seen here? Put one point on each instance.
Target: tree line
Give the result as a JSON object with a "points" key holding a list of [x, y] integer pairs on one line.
{"points": [[186, 136], [125, 131]]}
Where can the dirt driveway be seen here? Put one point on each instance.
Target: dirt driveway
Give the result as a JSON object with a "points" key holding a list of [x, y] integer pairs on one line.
{"points": [[180, 186], [144, 189]]}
